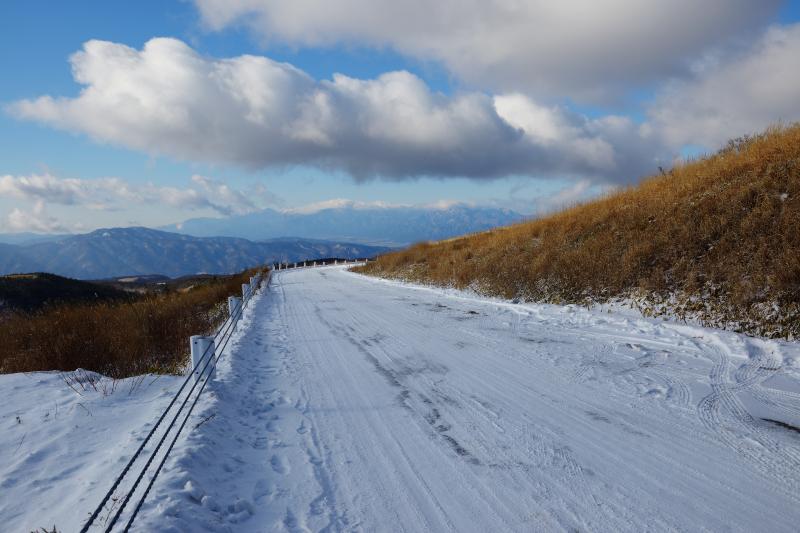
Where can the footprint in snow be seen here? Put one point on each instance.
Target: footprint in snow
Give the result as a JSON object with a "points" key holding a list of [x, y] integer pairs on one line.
{"points": [[193, 491], [239, 511], [279, 465], [263, 489]]}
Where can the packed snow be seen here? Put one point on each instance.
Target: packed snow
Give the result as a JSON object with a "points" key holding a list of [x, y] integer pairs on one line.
{"points": [[64, 437], [347, 403]]}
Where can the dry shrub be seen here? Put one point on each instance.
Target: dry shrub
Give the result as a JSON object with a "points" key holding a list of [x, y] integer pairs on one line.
{"points": [[716, 239], [117, 339]]}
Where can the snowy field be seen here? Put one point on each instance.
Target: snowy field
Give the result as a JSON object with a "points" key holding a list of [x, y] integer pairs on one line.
{"points": [[61, 443], [353, 404]]}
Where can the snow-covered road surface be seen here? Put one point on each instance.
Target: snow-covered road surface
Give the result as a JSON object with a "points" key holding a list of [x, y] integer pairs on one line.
{"points": [[358, 404]]}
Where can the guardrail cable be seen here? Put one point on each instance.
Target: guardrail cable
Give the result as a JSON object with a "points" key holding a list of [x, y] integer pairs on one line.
{"points": [[163, 438], [175, 438], [223, 330], [136, 454]]}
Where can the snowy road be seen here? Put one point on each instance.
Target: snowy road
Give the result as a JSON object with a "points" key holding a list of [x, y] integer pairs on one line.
{"points": [[356, 404]]}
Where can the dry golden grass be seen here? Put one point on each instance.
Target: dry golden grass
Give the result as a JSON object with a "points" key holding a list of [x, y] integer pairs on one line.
{"points": [[716, 239], [117, 339]]}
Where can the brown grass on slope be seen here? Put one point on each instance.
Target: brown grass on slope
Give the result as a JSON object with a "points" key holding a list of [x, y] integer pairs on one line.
{"points": [[717, 239], [117, 339]]}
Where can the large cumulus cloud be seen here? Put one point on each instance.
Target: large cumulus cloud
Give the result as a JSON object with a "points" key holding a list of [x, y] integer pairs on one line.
{"points": [[254, 112], [738, 95], [584, 50]]}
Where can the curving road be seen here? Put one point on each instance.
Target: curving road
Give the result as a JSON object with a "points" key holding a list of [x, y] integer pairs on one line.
{"points": [[353, 404]]}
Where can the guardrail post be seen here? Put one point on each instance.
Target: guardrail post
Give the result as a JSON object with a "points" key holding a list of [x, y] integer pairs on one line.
{"points": [[245, 291], [315, 263], [234, 303], [202, 346]]}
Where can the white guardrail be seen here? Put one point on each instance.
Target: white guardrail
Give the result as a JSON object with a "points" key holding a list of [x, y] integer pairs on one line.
{"points": [[206, 351], [321, 262]]}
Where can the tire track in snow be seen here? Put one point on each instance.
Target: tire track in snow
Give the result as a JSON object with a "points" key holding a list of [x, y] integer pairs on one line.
{"points": [[413, 399], [783, 460], [335, 330], [548, 456], [682, 391]]}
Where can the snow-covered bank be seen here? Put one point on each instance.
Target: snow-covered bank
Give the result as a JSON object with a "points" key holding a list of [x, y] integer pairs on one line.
{"points": [[359, 404], [64, 439], [66, 436]]}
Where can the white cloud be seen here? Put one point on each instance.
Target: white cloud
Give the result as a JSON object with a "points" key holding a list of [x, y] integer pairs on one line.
{"points": [[44, 187], [252, 111], [734, 96], [223, 198], [344, 203], [340, 203], [446, 204], [35, 219], [116, 194], [579, 49]]}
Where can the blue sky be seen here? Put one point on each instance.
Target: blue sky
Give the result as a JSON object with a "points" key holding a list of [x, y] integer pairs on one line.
{"points": [[586, 130]]}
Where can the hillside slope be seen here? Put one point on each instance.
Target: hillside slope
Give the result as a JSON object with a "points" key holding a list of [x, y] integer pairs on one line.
{"points": [[29, 292], [717, 239]]}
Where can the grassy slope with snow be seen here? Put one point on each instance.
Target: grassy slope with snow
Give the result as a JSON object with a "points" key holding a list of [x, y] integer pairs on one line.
{"points": [[717, 239]]}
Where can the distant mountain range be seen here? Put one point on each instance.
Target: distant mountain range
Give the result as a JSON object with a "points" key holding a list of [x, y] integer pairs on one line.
{"points": [[225, 245], [108, 253], [389, 226]]}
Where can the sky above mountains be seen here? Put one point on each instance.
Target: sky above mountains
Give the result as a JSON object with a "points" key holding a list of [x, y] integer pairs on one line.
{"points": [[152, 112]]}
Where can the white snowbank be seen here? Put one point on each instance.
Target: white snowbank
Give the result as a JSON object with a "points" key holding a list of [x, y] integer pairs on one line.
{"points": [[62, 441]]}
